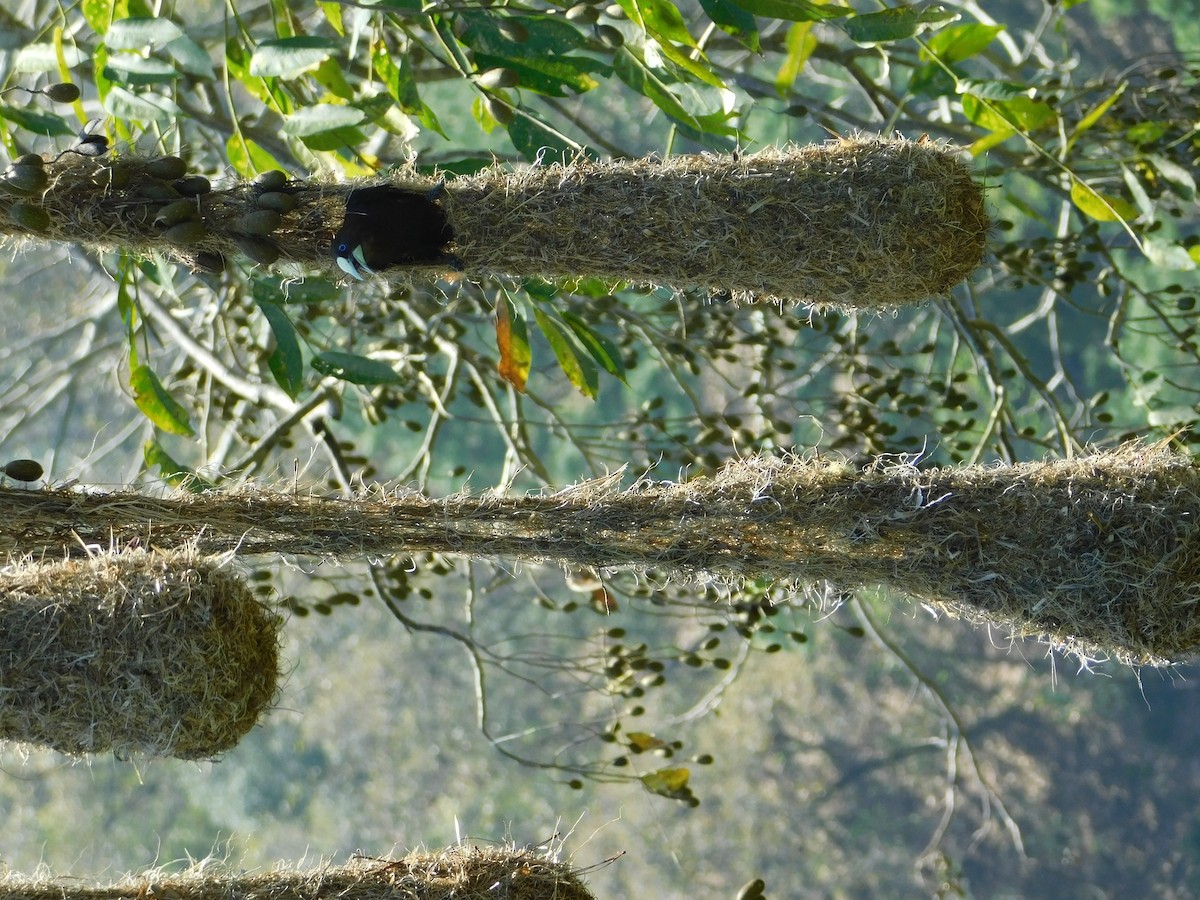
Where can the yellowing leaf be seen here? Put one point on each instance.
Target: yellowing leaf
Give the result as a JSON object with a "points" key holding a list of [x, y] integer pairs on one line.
{"points": [[1101, 207], [801, 43], [579, 369], [512, 339], [1096, 114], [1019, 112], [172, 471], [959, 42], [157, 404], [640, 741], [602, 350], [668, 782], [987, 142], [247, 157]]}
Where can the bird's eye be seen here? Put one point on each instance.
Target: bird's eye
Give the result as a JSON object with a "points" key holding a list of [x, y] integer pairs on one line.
{"points": [[342, 248]]}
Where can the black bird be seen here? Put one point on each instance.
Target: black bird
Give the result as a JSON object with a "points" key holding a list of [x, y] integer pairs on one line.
{"points": [[86, 143], [387, 226]]}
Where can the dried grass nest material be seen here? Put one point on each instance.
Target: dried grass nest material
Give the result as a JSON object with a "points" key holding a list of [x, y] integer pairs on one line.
{"points": [[1098, 555], [857, 223], [866, 223], [460, 873], [140, 653]]}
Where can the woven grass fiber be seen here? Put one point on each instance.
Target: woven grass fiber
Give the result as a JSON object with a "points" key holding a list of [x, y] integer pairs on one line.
{"points": [[1098, 555], [857, 223], [140, 653], [119, 202], [460, 873]]}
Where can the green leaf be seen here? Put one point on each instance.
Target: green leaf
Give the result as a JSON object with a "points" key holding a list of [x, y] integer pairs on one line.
{"points": [[1096, 114], [544, 36], [1144, 204], [659, 18], [601, 348], [580, 370], [35, 121], [337, 140], [147, 107], [172, 471], [1172, 416], [591, 287], [247, 158], [157, 404], [310, 290], [401, 85], [1167, 254], [547, 75], [99, 64], [1183, 182], [734, 21], [98, 13], [286, 362], [330, 76], [542, 60], [36, 58], [991, 89], [895, 24], [1146, 132], [665, 26], [800, 44], [292, 56], [1018, 114], [354, 368], [632, 70], [535, 141], [698, 69], [126, 68], [397, 76], [1101, 207], [794, 10], [959, 42], [190, 57], [540, 290], [141, 33], [376, 109], [322, 117], [933, 81], [1028, 114], [990, 140], [127, 306], [237, 61]]}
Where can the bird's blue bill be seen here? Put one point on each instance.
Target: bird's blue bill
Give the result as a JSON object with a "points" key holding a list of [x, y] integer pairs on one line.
{"points": [[356, 265]]}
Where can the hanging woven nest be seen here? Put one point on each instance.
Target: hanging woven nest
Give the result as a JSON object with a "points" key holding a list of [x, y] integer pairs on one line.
{"points": [[143, 654]]}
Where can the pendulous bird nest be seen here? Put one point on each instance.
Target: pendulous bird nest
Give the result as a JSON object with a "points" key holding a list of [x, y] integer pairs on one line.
{"points": [[140, 653], [863, 223], [459, 873], [858, 223], [1098, 555]]}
